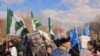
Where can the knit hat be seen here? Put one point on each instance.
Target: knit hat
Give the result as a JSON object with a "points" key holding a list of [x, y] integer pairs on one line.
{"points": [[64, 40]]}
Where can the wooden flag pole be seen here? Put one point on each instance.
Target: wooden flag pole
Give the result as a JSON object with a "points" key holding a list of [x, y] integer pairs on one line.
{"points": [[7, 39]]}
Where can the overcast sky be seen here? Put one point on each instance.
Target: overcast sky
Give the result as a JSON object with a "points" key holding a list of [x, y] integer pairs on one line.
{"points": [[67, 12]]}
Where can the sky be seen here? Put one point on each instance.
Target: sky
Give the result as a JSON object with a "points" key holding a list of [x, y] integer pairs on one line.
{"points": [[66, 12]]}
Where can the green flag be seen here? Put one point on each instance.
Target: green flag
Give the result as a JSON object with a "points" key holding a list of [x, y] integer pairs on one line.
{"points": [[15, 25], [50, 28], [35, 23]]}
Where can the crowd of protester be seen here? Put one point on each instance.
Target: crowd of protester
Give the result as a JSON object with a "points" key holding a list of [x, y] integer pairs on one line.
{"points": [[17, 48]]}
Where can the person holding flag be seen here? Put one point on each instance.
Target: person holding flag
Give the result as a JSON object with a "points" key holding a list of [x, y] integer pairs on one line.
{"points": [[87, 44], [37, 41], [15, 27], [75, 46]]}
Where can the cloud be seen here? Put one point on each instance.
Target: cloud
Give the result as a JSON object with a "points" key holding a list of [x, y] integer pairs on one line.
{"points": [[9, 2], [95, 3], [83, 11], [71, 17], [3, 14], [81, 3], [80, 14], [23, 13], [76, 3]]}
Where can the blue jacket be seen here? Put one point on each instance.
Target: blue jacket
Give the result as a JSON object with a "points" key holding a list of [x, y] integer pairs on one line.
{"points": [[60, 52]]}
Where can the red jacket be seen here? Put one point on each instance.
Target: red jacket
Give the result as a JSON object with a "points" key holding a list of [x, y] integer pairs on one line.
{"points": [[95, 54]]}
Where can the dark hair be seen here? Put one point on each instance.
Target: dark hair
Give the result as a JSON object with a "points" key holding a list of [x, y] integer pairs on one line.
{"points": [[13, 42], [98, 45], [48, 46], [93, 43]]}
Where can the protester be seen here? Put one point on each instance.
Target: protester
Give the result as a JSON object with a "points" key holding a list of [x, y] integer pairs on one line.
{"points": [[12, 48], [5, 49], [20, 46], [91, 49], [1, 49], [26, 44], [85, 52], [28, 50], [49, 50], [98, 45], [7, 52], [62, 50]]}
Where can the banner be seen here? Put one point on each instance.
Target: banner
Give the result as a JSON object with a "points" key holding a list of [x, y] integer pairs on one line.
{"points": [[37, 44], [84, 40]]}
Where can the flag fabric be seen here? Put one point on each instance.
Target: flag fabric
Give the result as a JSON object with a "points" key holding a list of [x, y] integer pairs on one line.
{"points": [[59, 33], [71, 34], [60, 30], [85, 36], [82, 33], [50, 28], [74, 43], [35, 23], [15, 25], [74, 37], [44, 34], [86, 31]]}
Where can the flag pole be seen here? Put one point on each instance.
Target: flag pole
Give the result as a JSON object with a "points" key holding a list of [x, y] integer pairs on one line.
{"points": [[7, 41], [7, 36]]}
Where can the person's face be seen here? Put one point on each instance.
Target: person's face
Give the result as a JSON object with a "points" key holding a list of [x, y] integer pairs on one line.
{"points": [[49, 50], [10, 44], [19, 39], [67, 44], [90, 47]]}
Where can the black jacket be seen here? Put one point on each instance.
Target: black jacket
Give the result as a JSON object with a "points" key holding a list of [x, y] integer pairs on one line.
{"points": [[19, 46]]}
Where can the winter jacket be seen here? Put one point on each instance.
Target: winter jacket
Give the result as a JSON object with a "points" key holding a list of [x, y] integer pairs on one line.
{"points": [[60, 52]]}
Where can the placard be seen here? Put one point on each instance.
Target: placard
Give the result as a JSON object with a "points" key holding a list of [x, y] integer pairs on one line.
{"points": [[37, 44]]}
